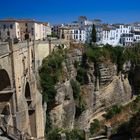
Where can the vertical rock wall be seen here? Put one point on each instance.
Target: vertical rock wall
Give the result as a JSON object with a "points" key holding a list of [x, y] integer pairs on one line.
{"points": [[101, 92]]}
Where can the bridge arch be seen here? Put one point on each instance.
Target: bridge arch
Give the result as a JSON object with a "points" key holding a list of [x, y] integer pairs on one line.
{"points": [[5, 96], [4, 80]]}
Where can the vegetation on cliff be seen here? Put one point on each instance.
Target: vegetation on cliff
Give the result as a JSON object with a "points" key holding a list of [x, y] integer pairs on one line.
{"points": [[126, 119], [113, 111], [50, 73], [93, 35], [52, 70], [80, 105], [75, 134], [117, 55], [106, 53], [94, 127]]}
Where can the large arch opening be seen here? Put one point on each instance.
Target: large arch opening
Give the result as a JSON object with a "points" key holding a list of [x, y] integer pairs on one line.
{"points": [[4, 80], [31, 111], [5, 96]]}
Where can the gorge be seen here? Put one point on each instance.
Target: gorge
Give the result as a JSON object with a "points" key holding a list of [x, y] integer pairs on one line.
{"points": [[83, 81]]}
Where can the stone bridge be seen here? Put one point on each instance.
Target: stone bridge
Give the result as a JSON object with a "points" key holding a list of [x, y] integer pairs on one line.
{"points": [[21, 111]]}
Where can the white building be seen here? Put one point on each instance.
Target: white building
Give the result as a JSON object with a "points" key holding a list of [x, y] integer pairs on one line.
{"points": [[88, 32], [87, 25], [136, 31], [136, 37], [9, 29], [83, 21], [112, 34], [79, 35], [127, 39], [22, 29], [47, 29]]}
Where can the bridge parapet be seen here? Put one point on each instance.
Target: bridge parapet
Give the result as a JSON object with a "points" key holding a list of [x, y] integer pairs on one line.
{"points": [[4, 48]]}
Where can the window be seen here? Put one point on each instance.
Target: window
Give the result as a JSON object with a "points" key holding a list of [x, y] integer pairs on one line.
{"points": [[8, 33], [4, 26], [32, 32], [11, 26], [26, 24]]}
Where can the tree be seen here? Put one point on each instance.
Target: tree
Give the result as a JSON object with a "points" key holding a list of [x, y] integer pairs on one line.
{"points": [[94, 126], [93, 34]]}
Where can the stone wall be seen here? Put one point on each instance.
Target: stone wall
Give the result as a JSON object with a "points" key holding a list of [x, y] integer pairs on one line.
{"points": [[25, 103], [63, 114]]}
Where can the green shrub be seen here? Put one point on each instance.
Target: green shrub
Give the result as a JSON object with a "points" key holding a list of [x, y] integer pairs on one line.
{"points": [[107, 52], [94, 127], [80, 107], [54, 134], [75, 134], [82, 77], [113, 111], [76, 89], [48, 123], [76, 64], [50, 73]]}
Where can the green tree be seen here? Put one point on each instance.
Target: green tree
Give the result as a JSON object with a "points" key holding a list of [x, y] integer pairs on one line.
{"points": [[113, 111], [94, 127], [76, 89], [93, 35], [75, 134], [54, 134]]}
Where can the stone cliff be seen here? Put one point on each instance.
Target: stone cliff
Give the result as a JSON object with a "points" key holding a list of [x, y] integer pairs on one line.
{"points": [[99, 92]]}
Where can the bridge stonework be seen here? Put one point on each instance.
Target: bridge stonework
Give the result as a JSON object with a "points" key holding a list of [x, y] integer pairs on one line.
{"points": [[21, 111]]}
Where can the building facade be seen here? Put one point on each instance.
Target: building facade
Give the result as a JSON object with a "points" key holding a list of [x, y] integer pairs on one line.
{"points": [[74, 34], [23, 29], [56, 30], [113, 34], [117, 35]]}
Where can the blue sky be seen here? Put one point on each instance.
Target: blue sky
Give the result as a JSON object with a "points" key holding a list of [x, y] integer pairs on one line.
{"points": [[60, 11]]}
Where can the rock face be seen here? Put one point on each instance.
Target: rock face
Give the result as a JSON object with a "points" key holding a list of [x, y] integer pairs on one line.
{"points": [[108, 90], [63, 114], [101, 92]]}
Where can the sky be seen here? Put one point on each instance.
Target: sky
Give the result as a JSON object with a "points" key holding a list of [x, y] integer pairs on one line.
{"points": [[64, 11]]}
